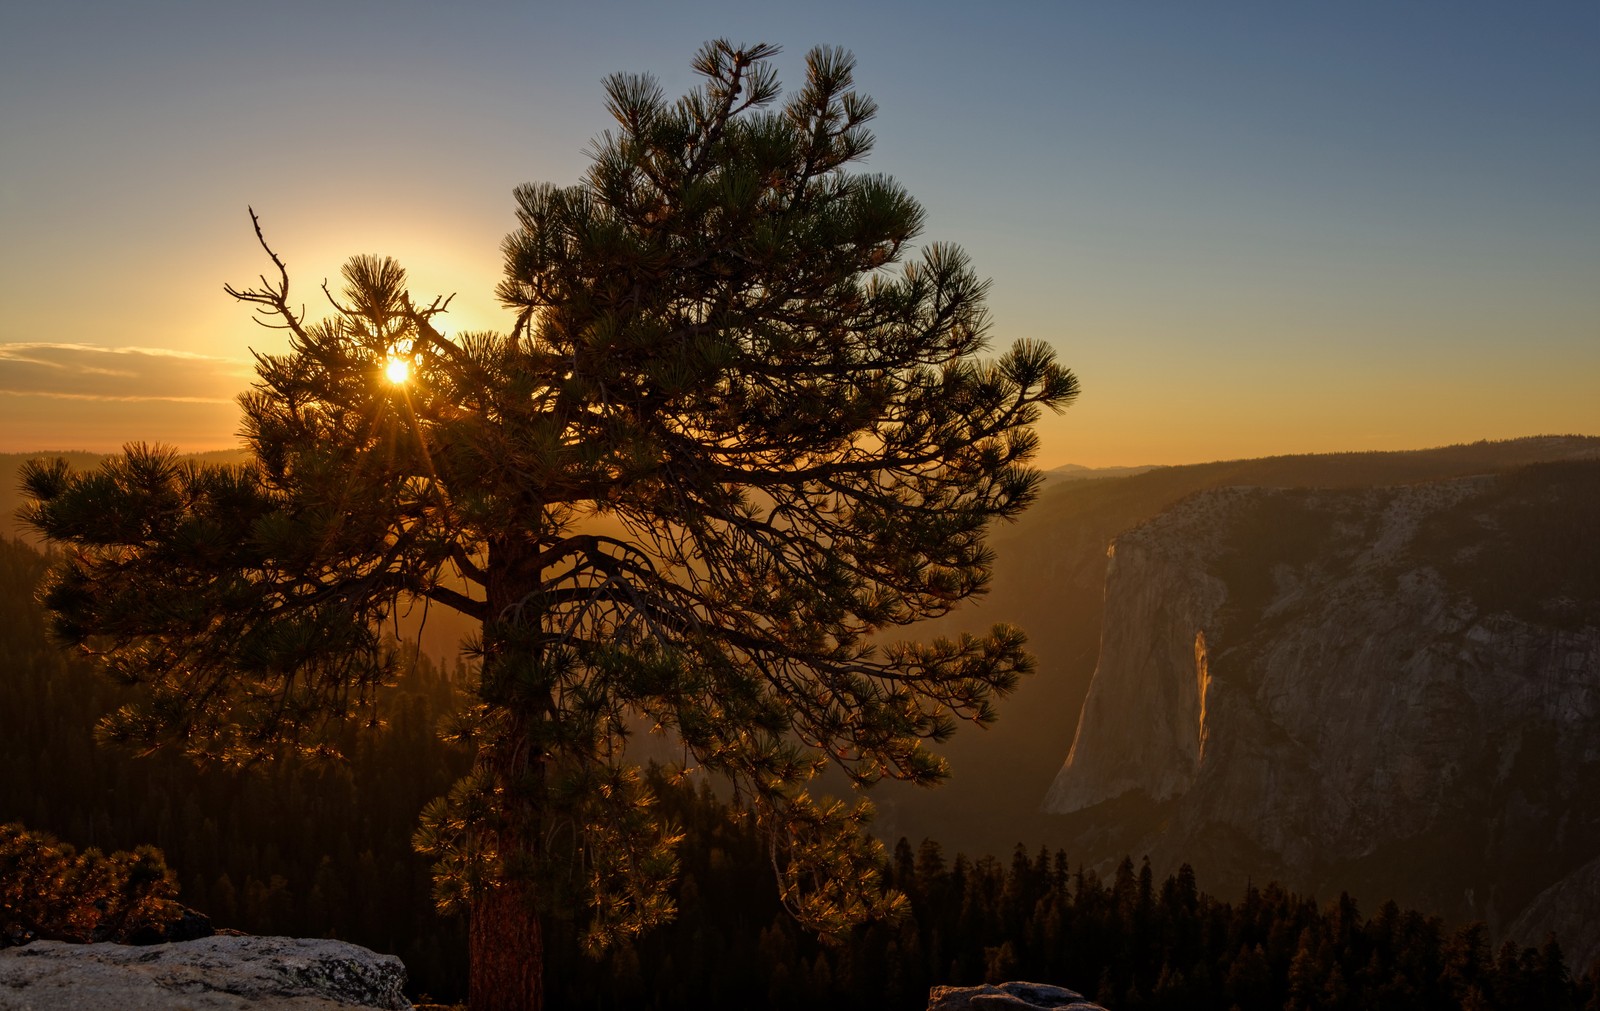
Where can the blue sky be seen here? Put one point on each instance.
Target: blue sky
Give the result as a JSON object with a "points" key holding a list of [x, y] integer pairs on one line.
{"points": [[1251, 228]]}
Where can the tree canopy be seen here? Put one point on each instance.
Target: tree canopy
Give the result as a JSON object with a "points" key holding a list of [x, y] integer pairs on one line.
{"points": [[738, 432]]}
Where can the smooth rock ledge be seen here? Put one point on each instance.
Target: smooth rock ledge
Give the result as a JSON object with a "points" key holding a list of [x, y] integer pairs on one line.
{"points": [[210, 974]]}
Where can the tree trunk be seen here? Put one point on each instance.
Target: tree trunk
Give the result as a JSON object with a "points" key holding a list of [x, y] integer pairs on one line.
{"points": [[505, 936], [506, 950]]}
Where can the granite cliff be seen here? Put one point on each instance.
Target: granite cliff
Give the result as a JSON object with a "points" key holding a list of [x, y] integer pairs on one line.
{"points": [[1050, 578], [1394, 691]]}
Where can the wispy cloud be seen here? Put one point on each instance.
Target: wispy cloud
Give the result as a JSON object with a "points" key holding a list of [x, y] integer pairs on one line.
{"points": [[126, 374]]}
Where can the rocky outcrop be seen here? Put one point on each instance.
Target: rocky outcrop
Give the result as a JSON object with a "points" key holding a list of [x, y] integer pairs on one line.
{"points": [[1392, 691], [1566, 909], [1008, 997], [212, 974]]}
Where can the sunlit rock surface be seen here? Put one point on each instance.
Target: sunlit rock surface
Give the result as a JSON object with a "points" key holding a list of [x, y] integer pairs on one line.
{"points": [[1394, 691], [267, 973], [1007, 997]]}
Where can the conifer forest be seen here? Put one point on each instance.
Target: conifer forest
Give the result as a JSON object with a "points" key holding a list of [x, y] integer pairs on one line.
{"points": [[324, 851]]}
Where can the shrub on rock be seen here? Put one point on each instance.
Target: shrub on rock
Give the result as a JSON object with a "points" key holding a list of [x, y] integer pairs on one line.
{"points": [[49, 890]]}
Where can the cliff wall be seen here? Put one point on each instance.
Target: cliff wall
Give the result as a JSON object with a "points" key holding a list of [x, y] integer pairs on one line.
{"points": [[1394, 691]]}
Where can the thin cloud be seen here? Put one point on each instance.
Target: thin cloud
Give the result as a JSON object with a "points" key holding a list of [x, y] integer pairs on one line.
{"points": [[125, 374]]}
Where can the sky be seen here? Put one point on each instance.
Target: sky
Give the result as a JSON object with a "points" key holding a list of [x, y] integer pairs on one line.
{"points": [[1249, 228]]}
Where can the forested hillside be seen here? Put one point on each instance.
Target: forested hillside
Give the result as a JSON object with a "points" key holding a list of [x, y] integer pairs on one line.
{"points": [[325, 852]]}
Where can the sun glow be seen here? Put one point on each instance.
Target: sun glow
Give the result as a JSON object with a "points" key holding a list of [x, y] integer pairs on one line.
{"points": [[397, 369]]}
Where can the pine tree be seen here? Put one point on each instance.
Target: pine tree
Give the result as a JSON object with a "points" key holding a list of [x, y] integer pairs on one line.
{"points": [[736, 432]]}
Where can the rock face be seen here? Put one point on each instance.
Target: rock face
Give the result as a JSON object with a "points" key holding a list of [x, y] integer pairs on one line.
{"points": [[1566, 909], [1050, 579], [1392, 691], [213, 973], [1007, 997]]}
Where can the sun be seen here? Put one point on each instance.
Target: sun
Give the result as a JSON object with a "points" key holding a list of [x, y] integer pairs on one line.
{"points": [[397, 369]]}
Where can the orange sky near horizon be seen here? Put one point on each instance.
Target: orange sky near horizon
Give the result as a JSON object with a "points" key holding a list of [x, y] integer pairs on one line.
{"points": [[1297, 231]]}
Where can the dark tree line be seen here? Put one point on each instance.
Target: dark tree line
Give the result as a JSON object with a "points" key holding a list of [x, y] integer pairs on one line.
{"points": [[312, 851], [1130, 942]]}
